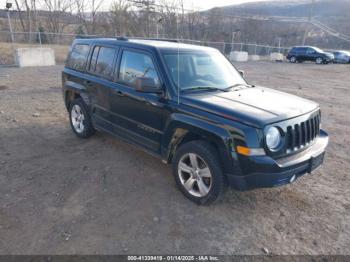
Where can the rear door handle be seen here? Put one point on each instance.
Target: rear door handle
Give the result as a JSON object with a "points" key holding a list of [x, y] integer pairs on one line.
{"points": [[118, 93], [88, 83]]}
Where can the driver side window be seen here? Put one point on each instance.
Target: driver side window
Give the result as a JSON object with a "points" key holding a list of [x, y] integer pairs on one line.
{"points": [[135, 64], [310, 51]]}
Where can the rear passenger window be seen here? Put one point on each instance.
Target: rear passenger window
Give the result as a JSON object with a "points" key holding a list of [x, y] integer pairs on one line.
{"points": [[302, 50], [102, 61], [135, 65], [78, 56]]}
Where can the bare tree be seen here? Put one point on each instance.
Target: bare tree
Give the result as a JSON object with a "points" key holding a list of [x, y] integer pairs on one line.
{"points": [[55, 20], [24, 8], [121, 18], [87, 11], [27, 8]]}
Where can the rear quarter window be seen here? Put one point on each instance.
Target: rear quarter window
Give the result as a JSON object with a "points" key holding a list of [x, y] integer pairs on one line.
{"points": [[78, 57]]}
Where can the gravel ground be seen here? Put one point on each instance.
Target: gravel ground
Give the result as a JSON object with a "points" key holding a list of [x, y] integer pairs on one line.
{"points": [[64, 195]]}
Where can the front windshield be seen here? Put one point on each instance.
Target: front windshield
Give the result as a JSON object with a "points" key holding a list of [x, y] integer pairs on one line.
{"points": [[196, 69], [318, 50]]}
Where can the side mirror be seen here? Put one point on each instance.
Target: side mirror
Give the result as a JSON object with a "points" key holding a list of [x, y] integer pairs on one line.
{"points": [[241, 72], [146, 85]]}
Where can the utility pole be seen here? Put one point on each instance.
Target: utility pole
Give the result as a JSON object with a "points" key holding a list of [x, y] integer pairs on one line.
{"points": [[8, 7], [146, 6], [309, 20]]}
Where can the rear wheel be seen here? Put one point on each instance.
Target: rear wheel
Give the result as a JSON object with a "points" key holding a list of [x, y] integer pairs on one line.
{"points": [[79, 119], [198, 172], [293, 59]]}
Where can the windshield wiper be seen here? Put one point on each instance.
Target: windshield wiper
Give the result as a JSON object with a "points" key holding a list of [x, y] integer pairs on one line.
{"points": [[235, 87], [209, 88]]}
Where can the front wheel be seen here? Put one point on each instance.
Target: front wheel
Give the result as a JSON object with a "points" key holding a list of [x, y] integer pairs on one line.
{"points": [[319, 60], [198, 172], [80, 120]]}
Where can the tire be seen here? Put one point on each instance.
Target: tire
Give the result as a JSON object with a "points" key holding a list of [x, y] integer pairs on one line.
{"points": [[208, 183], [80, 120], [293, 59], [319, 60]]}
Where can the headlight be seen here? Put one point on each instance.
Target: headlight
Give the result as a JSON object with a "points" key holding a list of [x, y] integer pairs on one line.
{"points": [[273, 138]]}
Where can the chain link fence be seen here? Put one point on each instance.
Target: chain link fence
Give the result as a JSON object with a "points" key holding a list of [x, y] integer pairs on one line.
{"points": [[61, 43]]}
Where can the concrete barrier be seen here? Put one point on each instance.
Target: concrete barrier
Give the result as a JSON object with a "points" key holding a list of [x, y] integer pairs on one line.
{"points": [[276, 57], [239, 56], [253, 58], [35, 56]]}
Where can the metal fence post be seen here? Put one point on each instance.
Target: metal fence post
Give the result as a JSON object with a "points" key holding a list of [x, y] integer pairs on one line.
{"points": [[39, 36]]}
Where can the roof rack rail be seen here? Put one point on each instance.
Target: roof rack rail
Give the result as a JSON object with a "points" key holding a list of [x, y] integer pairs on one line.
{"points": [[159, 39], [122, 38], [85, 36]]}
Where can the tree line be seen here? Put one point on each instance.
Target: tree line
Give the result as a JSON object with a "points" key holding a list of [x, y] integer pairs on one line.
{"points": [[150, 18]]}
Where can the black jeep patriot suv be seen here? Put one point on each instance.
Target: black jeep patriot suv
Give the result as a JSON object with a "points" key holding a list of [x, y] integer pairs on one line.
{"points": [[189, 106]]}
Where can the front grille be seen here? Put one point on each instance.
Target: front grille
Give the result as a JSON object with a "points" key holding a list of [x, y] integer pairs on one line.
{"points": [[302, 134]]}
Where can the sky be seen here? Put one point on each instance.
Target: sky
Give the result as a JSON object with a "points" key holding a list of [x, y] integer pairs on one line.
{"points": [[189, 4]]}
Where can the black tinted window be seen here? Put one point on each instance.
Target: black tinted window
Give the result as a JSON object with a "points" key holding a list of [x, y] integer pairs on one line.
{"points": [[104, 62], [78, 56], [135, 65], [310, 50]]}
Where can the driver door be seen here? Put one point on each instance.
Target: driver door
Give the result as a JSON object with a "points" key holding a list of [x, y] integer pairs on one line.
{"points": [[138, 117]]}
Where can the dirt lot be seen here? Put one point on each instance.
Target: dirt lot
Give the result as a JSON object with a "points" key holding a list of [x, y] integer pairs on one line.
{"points": [[61, 194]]}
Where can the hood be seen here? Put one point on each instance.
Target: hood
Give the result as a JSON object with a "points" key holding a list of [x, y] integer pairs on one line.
{"points": [[329, 54], [255, 106]]}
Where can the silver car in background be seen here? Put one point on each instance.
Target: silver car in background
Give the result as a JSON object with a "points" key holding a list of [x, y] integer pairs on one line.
{"points": [[342, 57]]}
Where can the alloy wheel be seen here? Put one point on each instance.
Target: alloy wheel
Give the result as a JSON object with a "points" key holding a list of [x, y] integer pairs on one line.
{"points": [[195, 175], [77, 117], [319, 60]]}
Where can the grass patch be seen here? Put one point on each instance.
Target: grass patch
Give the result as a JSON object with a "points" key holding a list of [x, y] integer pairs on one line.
{"points": [[7, 53]]}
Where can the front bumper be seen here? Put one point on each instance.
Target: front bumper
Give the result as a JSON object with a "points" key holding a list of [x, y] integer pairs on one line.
{"points": [[269, 172], [329, 59]]}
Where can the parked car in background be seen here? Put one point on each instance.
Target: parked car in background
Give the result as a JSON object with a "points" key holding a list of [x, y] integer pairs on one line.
{"points": [[342, 57], [309, 53]]}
